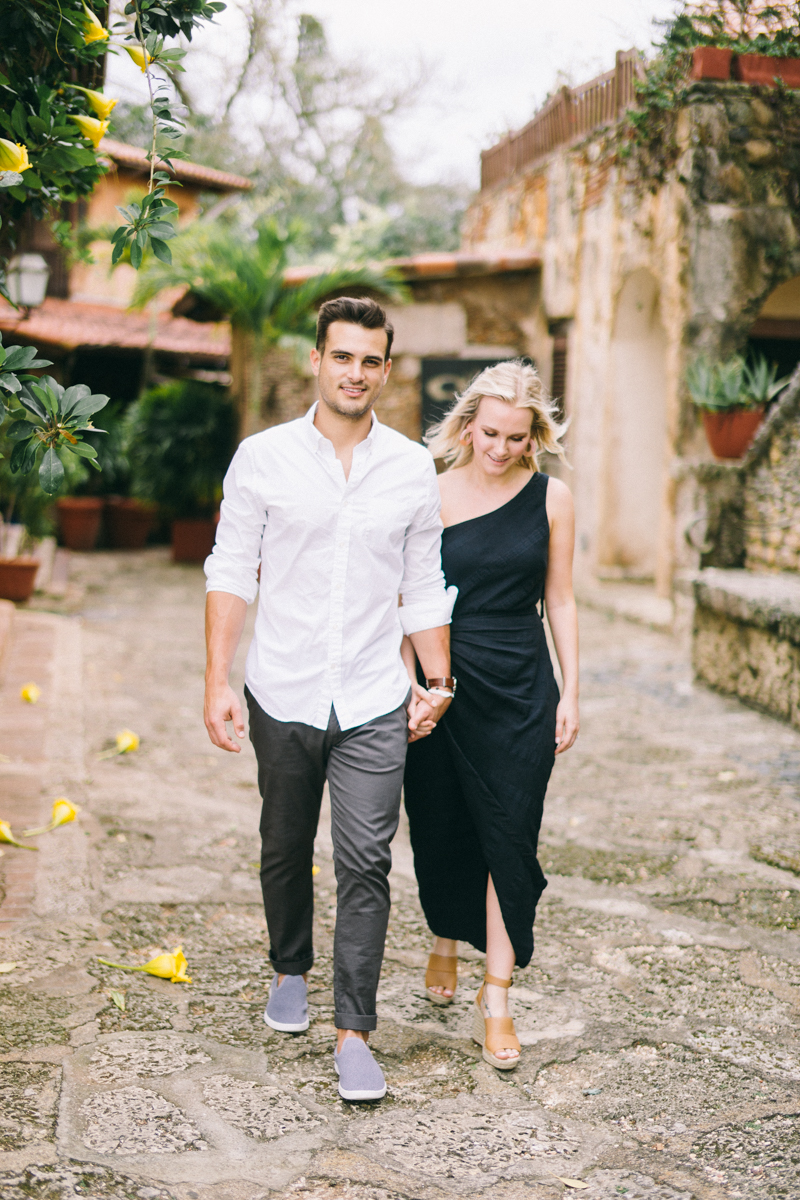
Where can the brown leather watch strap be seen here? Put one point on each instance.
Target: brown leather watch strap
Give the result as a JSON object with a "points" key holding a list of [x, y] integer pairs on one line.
{"points": [[448, 682]]}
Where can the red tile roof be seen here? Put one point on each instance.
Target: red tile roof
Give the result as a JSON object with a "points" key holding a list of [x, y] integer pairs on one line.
{"points": [[440, 265], [72, 324], [209, 178]]}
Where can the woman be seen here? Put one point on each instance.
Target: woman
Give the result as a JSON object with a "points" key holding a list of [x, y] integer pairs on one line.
{"points": [[474, 788]]}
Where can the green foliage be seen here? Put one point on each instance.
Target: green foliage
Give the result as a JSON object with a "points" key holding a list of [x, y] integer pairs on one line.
{"points": [[112, 452], [47, 420], [146, 223], [181, 438], [240, 275], [734, 383], [41, 48], [743, 26]]}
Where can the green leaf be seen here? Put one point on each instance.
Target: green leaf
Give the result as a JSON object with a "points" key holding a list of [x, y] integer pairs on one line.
{"points": [[31, 179], [78, 391], [3, 79], [161, 250], [136, 255], [88, 405], [47, 398], [51, 472], [20, 430], [118, 251], [83, 449], [23, 456], [18, 119], [19, 358], [9, 179], [32, 404], [10, 383], [162, 229], [2, 412]]}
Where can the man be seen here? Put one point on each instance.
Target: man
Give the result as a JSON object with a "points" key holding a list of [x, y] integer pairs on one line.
{"points": [[342, 515]]}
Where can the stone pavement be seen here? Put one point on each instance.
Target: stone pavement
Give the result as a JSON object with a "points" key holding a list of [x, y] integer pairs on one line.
{"points": [[659, 1017]]}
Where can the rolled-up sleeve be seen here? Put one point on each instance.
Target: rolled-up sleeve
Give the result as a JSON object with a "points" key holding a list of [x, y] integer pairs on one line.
{"points": [[233, 564], [427, 603]]}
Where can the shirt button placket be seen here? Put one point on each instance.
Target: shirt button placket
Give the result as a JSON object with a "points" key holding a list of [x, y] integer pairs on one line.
{"points": [[338, 576]]}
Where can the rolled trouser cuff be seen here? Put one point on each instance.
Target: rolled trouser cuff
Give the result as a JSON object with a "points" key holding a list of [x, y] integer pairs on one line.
{"points": [[298, 967], [355, 1021]]}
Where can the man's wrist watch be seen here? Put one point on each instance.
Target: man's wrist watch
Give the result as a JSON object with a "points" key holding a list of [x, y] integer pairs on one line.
{"points": [[445, 685]]}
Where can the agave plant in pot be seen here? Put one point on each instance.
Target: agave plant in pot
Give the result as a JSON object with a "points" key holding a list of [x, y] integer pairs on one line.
{"points": [[732, 396], [181, 437]]}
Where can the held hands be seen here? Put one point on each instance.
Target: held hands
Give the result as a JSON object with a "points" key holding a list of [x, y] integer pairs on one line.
{"points": [[567, 723], [425, 710], [221, 705]]}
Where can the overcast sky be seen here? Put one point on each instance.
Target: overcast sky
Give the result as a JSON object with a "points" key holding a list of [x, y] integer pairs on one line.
{"points": [[491, 62]]}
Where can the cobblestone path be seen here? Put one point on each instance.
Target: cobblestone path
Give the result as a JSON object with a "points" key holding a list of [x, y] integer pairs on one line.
{"points": [[661, 1056]]}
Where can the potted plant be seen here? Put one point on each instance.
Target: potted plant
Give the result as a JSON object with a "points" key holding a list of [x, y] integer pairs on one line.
{"points": [[731, 397], [181, 438], [128, 521]]}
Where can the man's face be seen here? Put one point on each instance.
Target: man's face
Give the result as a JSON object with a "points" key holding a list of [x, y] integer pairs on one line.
{"points": [[351, 368]]}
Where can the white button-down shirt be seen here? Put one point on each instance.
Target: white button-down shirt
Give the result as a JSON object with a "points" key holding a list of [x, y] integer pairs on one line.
{"points": [[335, 554]]}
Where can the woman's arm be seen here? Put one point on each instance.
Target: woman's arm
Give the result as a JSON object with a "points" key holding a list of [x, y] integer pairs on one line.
{"points": [[562, 613], [420, 723]]}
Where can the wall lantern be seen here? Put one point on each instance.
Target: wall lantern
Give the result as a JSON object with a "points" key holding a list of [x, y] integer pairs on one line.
{"points": [[26, 279]]}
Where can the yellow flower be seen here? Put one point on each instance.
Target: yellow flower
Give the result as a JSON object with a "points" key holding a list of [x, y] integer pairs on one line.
{"points": [[63, 812], [91, 128], [315, 869], [127, 741], [101, 104], [30, 693], [138, 57], [7, 836], [93, 31], [13, 156], [165, 966]]}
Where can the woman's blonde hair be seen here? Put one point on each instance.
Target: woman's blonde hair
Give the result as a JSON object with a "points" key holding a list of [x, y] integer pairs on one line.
{"points": [[515, 382]]}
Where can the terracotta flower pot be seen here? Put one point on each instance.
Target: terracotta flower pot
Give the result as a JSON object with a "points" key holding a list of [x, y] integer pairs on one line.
{"points": [[79, 519], [730, 431], [193, 540], [17, 577], [711, 62], [128, 522], [762, 68]]}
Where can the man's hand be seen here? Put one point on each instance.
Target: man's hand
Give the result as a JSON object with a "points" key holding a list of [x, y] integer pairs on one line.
{"points": [[221, 705], [425, 710]]}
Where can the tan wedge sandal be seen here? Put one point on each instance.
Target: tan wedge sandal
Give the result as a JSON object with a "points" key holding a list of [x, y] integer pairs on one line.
{"points": [[442, 972], [495, 1033]]}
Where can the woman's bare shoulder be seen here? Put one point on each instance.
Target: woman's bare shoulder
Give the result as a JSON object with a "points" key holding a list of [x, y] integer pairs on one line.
{"points": [[450, 482], [559, 497]]}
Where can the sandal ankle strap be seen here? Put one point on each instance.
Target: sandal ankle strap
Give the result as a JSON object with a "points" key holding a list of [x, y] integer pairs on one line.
{"points": [[493, 979]]}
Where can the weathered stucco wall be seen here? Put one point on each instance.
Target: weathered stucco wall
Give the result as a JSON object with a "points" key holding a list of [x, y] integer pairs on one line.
{"points": [[708, 246], [772, 495]]}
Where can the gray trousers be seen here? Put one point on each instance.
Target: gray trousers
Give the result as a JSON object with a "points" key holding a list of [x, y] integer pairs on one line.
{"points": [[364, 767]]}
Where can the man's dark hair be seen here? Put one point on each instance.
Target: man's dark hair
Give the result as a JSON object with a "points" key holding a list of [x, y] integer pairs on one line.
{"points": [[356, 312]]}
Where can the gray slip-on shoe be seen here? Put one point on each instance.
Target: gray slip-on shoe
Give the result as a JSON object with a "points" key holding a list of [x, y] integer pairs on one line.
{"points": [[287, 1008], [360, 1077]]}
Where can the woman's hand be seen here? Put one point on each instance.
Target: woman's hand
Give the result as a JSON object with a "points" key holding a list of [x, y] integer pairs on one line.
{"points": [[567, 723], [420, 712]]}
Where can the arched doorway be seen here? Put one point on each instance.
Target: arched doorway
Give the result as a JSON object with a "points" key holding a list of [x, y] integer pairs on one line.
{"points": [[776, 331], [636, 431]]}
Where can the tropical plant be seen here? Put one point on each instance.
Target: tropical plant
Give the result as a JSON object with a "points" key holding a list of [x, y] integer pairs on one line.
{"points": [[734, 383], [240, 276], [47, 419], [181, 438]]}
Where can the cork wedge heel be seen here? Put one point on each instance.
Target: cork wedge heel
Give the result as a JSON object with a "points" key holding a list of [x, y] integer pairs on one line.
{"points": [[495, 1033]]}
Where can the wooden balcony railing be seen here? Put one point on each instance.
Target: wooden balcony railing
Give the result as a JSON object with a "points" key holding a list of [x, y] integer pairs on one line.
{"points": [[570, 114]]}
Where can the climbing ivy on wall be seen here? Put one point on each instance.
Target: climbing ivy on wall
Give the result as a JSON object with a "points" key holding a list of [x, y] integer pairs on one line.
{"points": [[744, 26]]}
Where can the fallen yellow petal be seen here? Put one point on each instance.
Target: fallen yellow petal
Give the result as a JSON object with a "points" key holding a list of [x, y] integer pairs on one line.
{"points": [[571, 1183], [7, 836], [127, 741], [315, 869], [165, 966], [64, 811], [30, 693], [6, 967]]}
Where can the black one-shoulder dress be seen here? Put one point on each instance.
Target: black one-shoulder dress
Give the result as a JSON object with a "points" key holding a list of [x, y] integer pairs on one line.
{"points": [[474, 789]]}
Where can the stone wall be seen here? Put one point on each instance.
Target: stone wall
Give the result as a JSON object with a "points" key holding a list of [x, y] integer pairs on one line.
{"points": [[772, 491]]}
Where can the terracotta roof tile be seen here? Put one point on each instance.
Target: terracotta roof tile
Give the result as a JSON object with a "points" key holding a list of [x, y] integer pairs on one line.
{"points": [[135, 159], [439, 265], [72, 324]]}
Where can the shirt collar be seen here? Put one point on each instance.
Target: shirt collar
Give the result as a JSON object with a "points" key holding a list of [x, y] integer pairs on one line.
{"points": [[318, 440]]}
